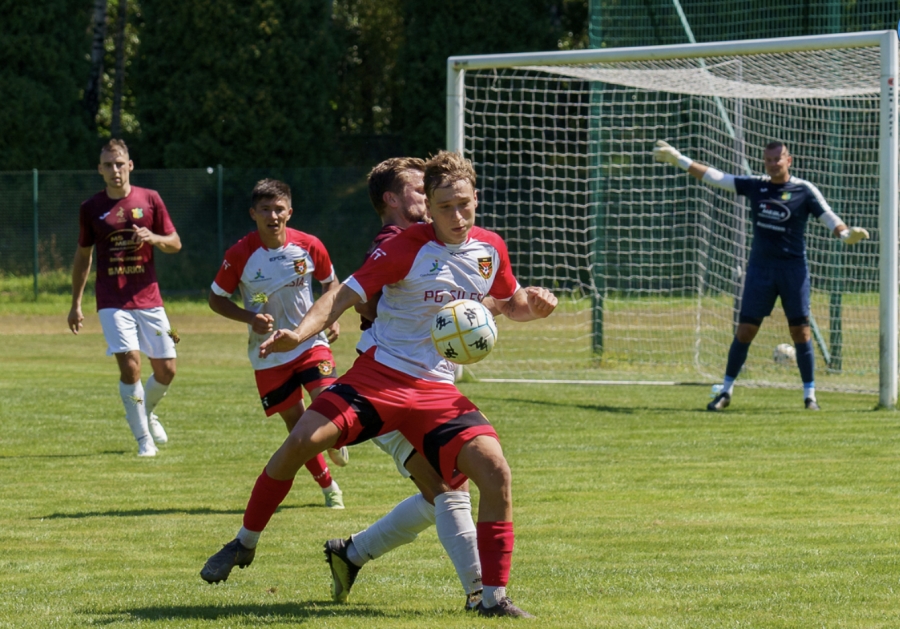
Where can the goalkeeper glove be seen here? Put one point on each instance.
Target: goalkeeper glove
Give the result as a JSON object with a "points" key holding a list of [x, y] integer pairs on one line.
{"points": [[664, 152], [853, 235]]}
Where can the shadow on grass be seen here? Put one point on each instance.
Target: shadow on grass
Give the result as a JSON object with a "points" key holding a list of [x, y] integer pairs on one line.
{"points": [[252, 615], [135, 513], [63, 456]]}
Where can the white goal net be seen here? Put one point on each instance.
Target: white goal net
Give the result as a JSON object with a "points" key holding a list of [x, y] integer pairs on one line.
{"points": [[647, 261]]}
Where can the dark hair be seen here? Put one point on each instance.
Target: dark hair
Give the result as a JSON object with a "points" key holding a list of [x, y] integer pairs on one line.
{"points": [[445, 168], [269, 189], [390, 176], [777, 144], [115, 146]]}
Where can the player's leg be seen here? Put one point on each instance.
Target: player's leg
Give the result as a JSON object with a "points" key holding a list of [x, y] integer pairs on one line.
{"points": [[316, 370], [757, 300], [794, 290], [121, 334], [158, 342], [316, 466], [312, 434]]}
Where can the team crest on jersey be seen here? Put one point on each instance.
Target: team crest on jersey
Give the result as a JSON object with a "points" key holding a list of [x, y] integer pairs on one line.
{"points": [[121, 215], [785, 196], [300, 267], [486, 267], [326, 368], [137, 213]]}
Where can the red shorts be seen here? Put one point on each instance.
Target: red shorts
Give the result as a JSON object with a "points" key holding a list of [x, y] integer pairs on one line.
{"points": [[281, 387], [372, 399]]}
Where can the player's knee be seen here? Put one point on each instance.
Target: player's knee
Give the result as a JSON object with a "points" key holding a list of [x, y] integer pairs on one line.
{"points": [[798, 322]]}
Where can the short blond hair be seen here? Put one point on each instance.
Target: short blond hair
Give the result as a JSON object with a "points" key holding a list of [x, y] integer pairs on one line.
{"points": [[444, 169], [115, 146]]}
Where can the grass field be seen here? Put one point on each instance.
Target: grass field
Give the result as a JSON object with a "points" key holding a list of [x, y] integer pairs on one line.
{"points": [[634, 507]]}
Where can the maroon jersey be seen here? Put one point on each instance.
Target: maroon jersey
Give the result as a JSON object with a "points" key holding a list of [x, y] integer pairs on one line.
{"points": [[387, 232], [126, 276]]}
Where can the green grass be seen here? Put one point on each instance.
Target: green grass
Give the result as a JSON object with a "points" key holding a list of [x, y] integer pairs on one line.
{"points": [[633, 506]]}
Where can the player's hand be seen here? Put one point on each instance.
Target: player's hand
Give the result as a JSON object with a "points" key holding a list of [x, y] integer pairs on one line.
{"points": [[854, 235], [281, 341], [541, 301], [142, 234], [333, 332], [664, 152], [262, 323], [76, 319]]}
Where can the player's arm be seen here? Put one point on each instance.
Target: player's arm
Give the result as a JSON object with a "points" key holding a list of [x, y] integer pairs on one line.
{"points": [[527, 304], [167, 243], [333, 331], [848, 235], [667, 154], [260, 322], [368, 310], [81, 268], [327, 309]]}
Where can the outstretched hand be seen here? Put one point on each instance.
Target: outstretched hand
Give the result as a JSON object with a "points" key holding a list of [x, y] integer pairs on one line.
{"points": [[666, 153], [854, 235], [541, 301], [281, 341]]}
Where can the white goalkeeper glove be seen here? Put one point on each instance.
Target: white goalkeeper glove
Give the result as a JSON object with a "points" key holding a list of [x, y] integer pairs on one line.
{"points": [[664, 152], [853, 235]]}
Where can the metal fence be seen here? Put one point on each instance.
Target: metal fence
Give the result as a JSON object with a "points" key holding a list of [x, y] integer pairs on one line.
{"points": [[209, 207]]}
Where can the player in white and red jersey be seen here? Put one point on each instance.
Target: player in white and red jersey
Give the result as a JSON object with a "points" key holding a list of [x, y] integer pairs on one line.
{"points": [[400, 382], [126, 223], [273, 267]]}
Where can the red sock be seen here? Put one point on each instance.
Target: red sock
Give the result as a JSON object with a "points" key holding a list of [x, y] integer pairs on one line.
{"points": [[495, 547], [267, 494], [319, 470]]}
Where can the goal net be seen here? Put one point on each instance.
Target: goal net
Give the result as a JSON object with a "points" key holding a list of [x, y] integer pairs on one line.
{"points": [[647, 261]]}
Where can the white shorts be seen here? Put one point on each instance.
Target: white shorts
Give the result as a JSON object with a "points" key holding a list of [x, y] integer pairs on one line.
{"points": [[137, 330], [398, 447]]}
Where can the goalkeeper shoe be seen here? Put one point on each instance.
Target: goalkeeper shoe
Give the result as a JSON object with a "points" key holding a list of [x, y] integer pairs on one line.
{"points": [[219, 566], [156, 429], [811, 404], [720, 402], [343, 571], [504, 608], [340, 456]]}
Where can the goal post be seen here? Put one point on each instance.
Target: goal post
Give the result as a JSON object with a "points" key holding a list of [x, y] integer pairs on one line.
{"points": [[647, 260]]}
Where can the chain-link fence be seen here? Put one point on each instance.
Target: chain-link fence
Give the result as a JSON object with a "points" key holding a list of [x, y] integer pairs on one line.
{"points": [[209, 207]]}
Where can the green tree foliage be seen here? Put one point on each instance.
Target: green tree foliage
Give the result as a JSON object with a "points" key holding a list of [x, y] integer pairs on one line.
{"points": [[236, 82], [435, 31], [43, 70]]}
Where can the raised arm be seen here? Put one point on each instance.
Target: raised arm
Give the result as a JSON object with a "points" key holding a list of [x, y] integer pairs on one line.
{"points": [[667, 154], [326, 311]]}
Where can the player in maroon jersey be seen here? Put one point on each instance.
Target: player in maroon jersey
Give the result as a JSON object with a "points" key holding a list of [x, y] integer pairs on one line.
{"points": [[273, 267], [400, 382], [126, 224]]}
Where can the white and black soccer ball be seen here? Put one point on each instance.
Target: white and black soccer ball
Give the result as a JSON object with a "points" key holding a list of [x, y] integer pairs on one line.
{"points": [[463, 331], [784, 354]]}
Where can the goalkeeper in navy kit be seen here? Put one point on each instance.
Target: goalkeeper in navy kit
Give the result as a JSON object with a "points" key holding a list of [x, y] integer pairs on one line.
{"points": [[780, 206]]}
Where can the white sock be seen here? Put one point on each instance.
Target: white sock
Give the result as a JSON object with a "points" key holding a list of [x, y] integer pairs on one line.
{"points": [[456, 530], [493, 594], [153, 393], [401, 526], [728, 385], [133, 401], [249, 539], [809, 391], [332, 487]]}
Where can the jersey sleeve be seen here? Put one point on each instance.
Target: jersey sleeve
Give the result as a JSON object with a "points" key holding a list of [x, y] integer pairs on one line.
{"points": [[229, 276], [387, 264], [162, 222], [324, 269], [86, 236], [817, 203], [744, 185], [505, 283]]}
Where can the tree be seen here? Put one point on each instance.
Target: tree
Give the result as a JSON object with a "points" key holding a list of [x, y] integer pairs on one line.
{"points": [[43, 70], [92, 92], [236, 82], [115, 127]]}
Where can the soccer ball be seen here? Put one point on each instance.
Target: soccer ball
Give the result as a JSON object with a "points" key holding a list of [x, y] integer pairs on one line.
{"points": [[784, 354], [463, 331]]}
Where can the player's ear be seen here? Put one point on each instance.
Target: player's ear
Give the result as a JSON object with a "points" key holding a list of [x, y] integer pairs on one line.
{"points": [[130, 165], [252, 212], [390, 199]]}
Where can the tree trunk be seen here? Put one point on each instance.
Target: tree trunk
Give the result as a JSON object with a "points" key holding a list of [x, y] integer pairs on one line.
{"points": [[119, 82], [95, 79]]}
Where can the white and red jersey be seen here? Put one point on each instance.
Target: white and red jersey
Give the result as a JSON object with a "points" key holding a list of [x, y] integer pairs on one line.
{"points": [[418, 274], [276, 282]]}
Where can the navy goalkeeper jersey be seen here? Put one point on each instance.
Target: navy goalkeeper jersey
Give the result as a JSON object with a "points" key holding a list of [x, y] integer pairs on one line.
{"points": [[779, 212]]}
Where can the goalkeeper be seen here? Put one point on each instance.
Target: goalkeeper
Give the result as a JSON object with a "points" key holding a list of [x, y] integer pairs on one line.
{"points": [[780, 206]]}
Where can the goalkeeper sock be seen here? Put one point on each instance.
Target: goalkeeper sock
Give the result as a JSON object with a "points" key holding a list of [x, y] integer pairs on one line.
{"points": [[456, 530], [133, 400], [727, 385], [806, 362], [809, 390], [737, 356]]}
